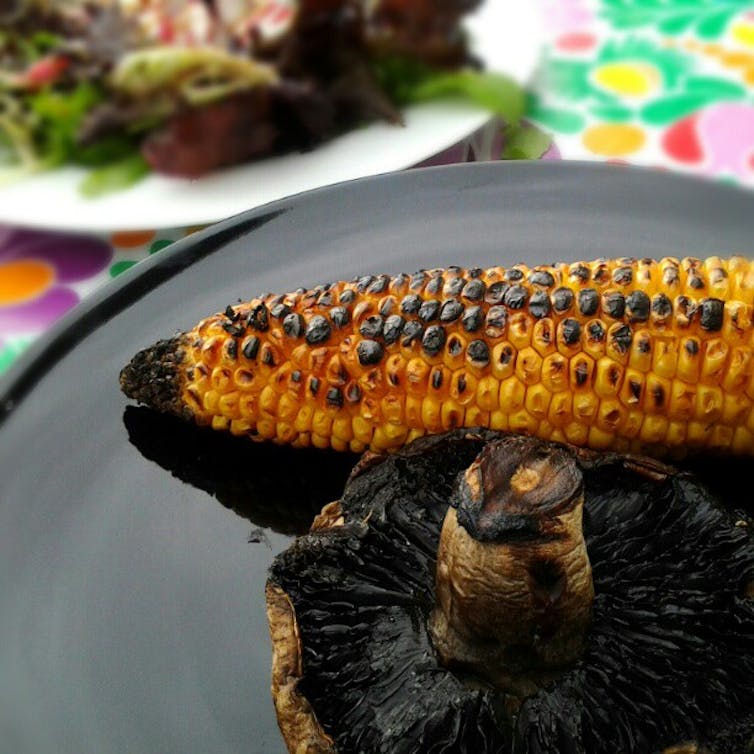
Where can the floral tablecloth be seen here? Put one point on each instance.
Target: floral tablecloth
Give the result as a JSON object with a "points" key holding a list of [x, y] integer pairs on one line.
{"points": [[661, 83]]}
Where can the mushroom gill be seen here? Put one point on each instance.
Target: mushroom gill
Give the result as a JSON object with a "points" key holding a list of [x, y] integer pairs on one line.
{"points": [[390, 655]]}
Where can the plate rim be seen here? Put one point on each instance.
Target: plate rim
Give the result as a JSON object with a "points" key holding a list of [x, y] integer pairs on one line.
{"points": [[113, 297]]}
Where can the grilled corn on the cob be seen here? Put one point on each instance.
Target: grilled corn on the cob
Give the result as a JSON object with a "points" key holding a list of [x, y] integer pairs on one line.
{"points": [[631, 355]]}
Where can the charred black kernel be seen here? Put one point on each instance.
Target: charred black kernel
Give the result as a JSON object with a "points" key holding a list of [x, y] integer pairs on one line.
{"points": [[496, 292], [294, 325], [434, 286], [474, 290], [571, 330], [451, 310], [268, 356], [506, 355], [614, 305], [411, 304], [621, 338], [711, 314], [398, 281], [475, 272], [259, 318], [601, 274], [340, 316], [662, 306], [581, 373], [478, 352], [417, 280], [296, 375], [372, 326], [562, 299], [437, 378], [542, 277], [580, 272], [231, 313], [347, 296], [318, 330], [411, 332], [251, 348], [461, 384], [643, 344], [387, 306], [453, 287], [659, 395], [429, 311], [513, 275], [353, 393], [379, 284], [696, 282], [692, 347], [670, 276], [433, 340], [623, 276], [369, 352], [473, 317], [596, 331], [455, 269], [300, 291], [687, 309], [233, 329], [232, 348], [392, 329], [363, 283], [635, 388], [637, 304], [539, 304], [334, 397], [313, 385], [279, 311], [515, 297], [497, 317], [325, 300], [589, 301], [455, 345]]}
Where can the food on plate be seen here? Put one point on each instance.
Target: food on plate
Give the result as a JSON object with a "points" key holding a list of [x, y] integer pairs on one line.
{"points": [[631, 355], [187, 86], [487, 592]]}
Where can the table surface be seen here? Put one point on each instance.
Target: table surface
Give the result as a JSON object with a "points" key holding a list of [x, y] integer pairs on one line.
{"points": [[667, 84]]}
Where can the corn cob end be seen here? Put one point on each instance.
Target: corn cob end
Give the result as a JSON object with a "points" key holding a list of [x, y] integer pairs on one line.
{"points": [[153, 377]]}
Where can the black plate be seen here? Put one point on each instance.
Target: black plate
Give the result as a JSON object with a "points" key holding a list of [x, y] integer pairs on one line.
{"points": [[131, 604]]}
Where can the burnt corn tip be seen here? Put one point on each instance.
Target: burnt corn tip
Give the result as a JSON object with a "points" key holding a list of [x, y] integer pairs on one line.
{"points": [[153, 376]]}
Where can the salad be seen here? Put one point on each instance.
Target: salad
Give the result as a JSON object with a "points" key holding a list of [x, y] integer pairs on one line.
{"points": [[185, 87]]}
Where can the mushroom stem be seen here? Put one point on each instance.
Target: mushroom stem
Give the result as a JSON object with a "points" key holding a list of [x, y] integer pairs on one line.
{"points": [[514, 583]]}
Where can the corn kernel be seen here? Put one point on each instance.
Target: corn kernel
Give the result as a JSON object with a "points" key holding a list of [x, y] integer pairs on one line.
{"points": [[342, 428], [266, 428], [303, 421], [475, 417], [413, 412], [735, 409], [520, 330], [431, 416], [555, 373], [656, 395], [576, 433], [362, 430], [740, 368], [392, 408], [322, 422], [743, 441], [585, 406], [543, 337], [609, 378], [512, 394], [682, 401], [268, 400], [499, 421], [528, 366], [523, 422], [487, 394], [599, 439], [537, 401], [653, 429], [665, 358], [632, 388], [417, 372], [610, 415], [451, 415], [713, 364], [503, 360], [640, 355], [708, 406], [560, 411]]}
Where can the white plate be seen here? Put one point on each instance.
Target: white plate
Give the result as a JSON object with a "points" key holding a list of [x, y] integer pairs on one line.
{"points": [[506, 35]]}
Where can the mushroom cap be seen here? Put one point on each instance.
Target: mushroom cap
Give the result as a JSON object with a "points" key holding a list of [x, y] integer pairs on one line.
{"points": [[669, 655]]}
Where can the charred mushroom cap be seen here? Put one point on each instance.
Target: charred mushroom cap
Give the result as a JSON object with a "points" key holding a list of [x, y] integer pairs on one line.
{"points": [[669, 650]]}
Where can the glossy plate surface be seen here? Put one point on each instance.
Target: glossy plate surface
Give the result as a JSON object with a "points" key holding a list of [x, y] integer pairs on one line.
{"points": [[507, 36], [131, 603]]}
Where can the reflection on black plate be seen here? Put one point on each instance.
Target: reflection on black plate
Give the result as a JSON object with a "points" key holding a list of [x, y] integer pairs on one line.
{"points": [[131, 605], [277, 488]]}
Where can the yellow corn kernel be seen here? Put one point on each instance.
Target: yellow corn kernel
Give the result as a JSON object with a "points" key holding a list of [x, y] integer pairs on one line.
{"points": [[736, 408], [585, 406], [609, 378], [287, 408], [599, 439], [362, 430], [266, 428], [499, 421], [414, 412], [388, 437], [528, 366], [555, 373], [503, 360], [682, 401], [520, 330], [561, 409], [285, 433], [537, 401], [632, 423], [653, 429], [543, 337], [395, 370], [268, 400], [211, 399], [451, 415], [303, 420], [220, 422], [743, 440], [523, 423], [342, 428], [240, 427], [717, 277], [610, 415], [721, 437], [222, 379], [430, 416], [640, 356], [656, 395], [487, 394], [581, 370], [322, 422], [632, 388], [713, 364], [228, 405], [193, 399], [690, 359], [708, 407], [512, 394], [417, 372], [576, 433], [320, 441], [415, 434], [475, 417], [392, 408], [737, 322], [665, 357]]}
